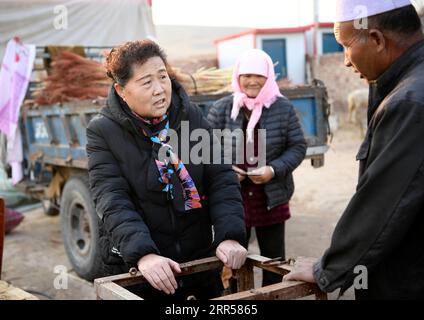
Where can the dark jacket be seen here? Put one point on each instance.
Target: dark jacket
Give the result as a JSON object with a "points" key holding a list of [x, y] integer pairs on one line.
{"points": [[136, 216], [382, 227], [285, 143]]}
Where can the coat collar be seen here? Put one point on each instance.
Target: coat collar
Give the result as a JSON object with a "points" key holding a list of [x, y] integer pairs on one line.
{"points": [[380, 88]]}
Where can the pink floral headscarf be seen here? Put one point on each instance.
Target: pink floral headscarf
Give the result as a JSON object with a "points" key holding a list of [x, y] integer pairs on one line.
{"points": [[254, 61]]}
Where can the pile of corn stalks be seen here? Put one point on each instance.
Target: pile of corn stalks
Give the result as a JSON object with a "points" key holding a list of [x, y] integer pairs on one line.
{"points": [[213, 81], [205, 81], [73, 77]]}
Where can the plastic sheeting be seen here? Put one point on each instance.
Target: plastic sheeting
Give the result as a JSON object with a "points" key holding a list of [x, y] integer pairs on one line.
{"points": [[75, 22], [14, 78]]}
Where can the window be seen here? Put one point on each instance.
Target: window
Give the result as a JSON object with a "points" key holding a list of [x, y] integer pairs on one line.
{"points": [[329, 43]]}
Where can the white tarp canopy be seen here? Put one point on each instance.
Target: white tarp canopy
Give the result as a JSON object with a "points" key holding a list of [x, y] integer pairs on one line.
{"points": [[75, 22]]}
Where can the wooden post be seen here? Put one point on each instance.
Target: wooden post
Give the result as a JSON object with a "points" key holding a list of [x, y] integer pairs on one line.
{"points": [[319, 295], [245, 277]]}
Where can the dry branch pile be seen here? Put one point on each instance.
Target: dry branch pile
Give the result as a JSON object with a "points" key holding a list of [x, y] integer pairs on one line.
{"points": [[73, 77]]}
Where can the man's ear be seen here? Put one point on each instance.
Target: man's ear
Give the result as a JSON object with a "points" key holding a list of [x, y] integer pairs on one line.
{"points": [[378, 38], [120, 90]]}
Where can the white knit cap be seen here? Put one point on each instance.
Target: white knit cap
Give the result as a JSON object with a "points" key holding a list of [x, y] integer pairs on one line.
{"points": [[419, 6], [349, 10]]}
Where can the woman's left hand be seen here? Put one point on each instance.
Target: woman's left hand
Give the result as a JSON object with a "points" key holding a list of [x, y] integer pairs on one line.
{"points": [[231, 253], [262, 175]]}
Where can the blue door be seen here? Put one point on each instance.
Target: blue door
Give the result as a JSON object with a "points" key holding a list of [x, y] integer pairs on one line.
{"points": [[329, 43], [276, 48]]}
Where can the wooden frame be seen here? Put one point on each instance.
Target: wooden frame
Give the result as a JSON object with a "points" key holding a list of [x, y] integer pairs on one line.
{"points": [[113, 287]]}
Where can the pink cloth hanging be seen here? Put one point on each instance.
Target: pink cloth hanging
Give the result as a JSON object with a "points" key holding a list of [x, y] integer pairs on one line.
{"points": [[14, 78]]}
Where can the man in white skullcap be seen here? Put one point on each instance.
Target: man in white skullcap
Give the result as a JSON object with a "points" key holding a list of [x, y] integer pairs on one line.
{"points": [[377, 245]]}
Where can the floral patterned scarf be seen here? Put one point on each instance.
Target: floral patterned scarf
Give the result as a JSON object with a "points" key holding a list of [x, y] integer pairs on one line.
{"points": [[167, 169]]}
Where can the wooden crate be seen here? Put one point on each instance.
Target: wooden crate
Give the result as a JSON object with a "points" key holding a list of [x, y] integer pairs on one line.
{"points": [[113, 287]]}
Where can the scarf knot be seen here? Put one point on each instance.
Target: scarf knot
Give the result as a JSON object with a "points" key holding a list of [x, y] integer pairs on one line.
{"points": [[167, 169]]}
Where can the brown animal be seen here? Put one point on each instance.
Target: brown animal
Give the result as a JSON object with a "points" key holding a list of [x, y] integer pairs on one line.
{"points": [[357, 107]]}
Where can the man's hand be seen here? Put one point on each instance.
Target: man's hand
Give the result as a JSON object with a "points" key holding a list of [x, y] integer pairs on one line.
{"points": [[231, 253], [302, 270], [241, 174], [158, 271], [262, 175]]}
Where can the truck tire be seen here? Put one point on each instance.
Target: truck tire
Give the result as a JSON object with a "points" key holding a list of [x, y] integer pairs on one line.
{"points": [[80, 230]]}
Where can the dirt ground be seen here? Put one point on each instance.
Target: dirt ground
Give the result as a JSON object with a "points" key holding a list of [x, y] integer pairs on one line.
{"points": [[34, 249]]}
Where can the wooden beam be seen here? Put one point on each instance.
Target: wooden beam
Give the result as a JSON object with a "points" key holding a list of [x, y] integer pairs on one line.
{"points": [[200, 265], [279, 291], [258, 261], [186, 268], [112, 291]]}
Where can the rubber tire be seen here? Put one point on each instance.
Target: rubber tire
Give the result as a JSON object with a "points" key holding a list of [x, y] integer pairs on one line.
{"points": [[76, 198]]}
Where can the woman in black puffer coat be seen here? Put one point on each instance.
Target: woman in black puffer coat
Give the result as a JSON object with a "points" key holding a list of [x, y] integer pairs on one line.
{"points": [[155, 210]]}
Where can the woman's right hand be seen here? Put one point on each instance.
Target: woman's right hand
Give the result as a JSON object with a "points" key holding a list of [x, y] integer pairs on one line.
{"points": [[159, 272], [241, 174]]}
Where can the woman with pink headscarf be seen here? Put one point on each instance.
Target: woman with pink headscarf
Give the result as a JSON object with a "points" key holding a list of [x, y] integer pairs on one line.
{"points": [[265, 175]]}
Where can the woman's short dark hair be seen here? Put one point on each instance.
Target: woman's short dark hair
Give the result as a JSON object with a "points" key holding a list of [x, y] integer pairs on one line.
{"points": [[404, 21], [120, 61]]}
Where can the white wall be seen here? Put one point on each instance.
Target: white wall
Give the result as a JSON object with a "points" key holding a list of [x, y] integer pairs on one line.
{"points": [[309, 34], [309, 37], [229, 50], [295, 46]]}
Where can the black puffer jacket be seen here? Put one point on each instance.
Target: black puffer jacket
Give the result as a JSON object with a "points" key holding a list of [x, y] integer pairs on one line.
{"points": [[136, 216], [285, 143]]}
